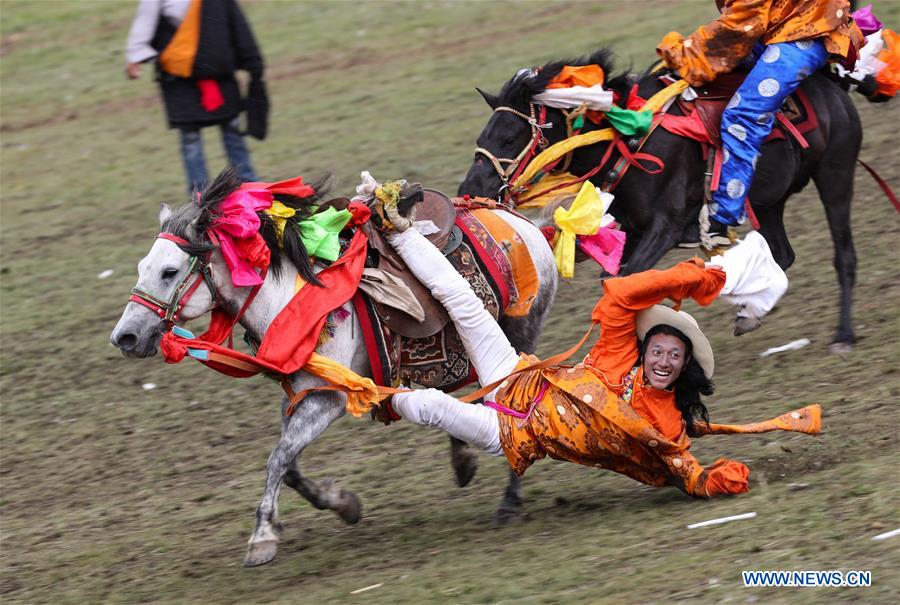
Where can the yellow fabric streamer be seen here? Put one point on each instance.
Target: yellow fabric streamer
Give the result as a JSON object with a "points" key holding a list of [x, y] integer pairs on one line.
{"points": [[558, 150], [280, 214], [656, 102], [582, 218], [362, 393]]}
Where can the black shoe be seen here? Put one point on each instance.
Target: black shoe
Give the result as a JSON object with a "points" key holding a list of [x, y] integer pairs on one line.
{"points": [[717, 228], [716, 235]]}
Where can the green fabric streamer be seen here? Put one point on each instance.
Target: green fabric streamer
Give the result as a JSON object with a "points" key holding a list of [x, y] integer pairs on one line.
{"points": [[629, 122], [319, 233]]}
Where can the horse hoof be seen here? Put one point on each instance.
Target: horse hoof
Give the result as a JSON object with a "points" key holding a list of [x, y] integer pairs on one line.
{"points": [[507, 515], [350, 510], [840, 348], [742, 325], [465, 465], [260, 553]]}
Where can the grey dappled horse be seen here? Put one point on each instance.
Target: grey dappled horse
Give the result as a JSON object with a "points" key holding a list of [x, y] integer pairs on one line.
{"points": [[655, 209], [171, 268]]}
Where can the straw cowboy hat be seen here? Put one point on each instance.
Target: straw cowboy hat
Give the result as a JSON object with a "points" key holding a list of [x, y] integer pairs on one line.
{"points": [[687, 325]]}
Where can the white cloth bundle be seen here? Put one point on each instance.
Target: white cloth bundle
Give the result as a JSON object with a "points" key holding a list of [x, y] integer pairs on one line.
{"points": [[596, 97]]}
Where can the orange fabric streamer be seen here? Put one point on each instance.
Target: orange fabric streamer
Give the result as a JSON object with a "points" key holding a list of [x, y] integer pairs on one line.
{"points": [[578, 75], [889, 78], [178, 57]]}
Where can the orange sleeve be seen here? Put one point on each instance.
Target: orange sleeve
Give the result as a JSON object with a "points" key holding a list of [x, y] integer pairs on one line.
{"points": [[722, 478], [719, 46], [616, 351]]}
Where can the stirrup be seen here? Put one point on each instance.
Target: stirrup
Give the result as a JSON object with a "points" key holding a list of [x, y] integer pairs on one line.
{"points": [[714, 245], [688, 245]]}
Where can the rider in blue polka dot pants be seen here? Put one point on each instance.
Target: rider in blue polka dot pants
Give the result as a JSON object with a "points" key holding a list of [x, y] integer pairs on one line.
{"points": [[778, 69]]}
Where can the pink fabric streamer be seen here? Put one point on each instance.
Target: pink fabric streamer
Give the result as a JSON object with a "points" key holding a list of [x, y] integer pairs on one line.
{"points": [[866, 20], [237, 228], [605, 247]]}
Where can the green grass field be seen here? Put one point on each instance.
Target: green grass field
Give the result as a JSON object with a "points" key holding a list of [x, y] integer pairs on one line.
{"points": [[110, 493]]}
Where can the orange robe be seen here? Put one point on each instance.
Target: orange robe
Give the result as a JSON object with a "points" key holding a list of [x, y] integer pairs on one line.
{"points": [[719, 46], [601, 413]]}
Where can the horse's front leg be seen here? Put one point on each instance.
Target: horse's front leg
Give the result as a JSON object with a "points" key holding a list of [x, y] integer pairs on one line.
{"points": [[310, 419], [325, 495]]}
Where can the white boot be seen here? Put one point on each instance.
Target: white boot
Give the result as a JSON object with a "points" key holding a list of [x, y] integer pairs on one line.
{"points": [[754, 281]]}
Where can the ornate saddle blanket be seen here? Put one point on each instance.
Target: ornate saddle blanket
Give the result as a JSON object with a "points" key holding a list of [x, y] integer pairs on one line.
{"points": [[495, 261], [701, 117]]}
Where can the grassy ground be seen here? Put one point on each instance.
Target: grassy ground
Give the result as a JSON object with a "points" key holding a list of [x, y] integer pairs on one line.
{"points": [[115, 494]]}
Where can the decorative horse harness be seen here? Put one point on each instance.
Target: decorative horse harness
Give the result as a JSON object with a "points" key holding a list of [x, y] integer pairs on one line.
{"points": [[197, 273], [629, 152], [538, 141]]}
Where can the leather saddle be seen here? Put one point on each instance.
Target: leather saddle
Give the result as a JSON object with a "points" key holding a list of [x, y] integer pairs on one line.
{"points": [[432, 206], [713, 97]]}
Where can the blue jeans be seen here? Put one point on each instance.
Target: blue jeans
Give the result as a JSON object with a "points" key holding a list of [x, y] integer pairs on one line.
{"points": [[778, 69], [235, 149]]}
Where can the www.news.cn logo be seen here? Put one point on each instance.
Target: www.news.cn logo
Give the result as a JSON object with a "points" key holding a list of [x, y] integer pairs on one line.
{"points": [[807, 578]]}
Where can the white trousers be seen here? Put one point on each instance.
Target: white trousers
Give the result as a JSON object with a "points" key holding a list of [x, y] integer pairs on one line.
{"points": [[486, 345]]}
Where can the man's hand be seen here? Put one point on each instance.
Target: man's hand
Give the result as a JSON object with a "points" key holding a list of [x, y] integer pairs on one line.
{"points": [[133, 71]]}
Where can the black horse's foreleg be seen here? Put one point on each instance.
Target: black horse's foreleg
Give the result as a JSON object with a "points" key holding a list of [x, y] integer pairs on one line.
{"points": [[510, 508], [771, 226], [463, 460]]}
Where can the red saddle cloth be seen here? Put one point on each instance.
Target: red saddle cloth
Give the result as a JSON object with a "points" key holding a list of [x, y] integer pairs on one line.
{"points": [[702, 117]]}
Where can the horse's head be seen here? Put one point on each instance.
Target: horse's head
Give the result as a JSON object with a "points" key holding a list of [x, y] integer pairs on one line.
{"points": [[519, 128], [185, 274], [174, 284]]}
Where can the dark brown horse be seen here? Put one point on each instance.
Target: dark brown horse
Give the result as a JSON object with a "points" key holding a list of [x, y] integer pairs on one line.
{"points": [[655, 209]]}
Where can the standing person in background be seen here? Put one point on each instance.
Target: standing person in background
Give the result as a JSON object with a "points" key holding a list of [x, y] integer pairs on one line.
{"points": [[782, 42], [198, 45]]}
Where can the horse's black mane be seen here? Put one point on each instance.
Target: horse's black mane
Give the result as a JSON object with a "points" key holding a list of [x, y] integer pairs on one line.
{"points": [[527, 83], [192, 220]]}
